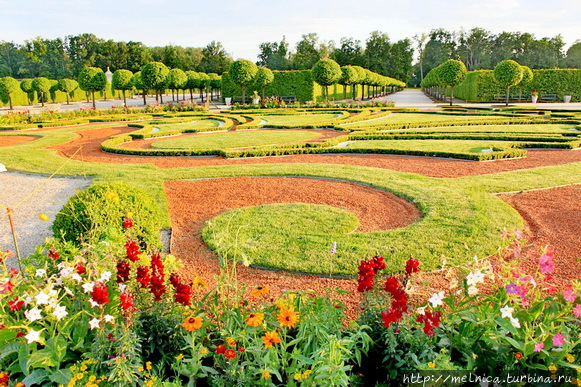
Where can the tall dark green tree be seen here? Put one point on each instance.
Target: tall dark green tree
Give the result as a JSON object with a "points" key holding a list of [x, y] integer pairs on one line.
{"points": [[349, 52], [399, 65], [307, 52], [475, 48], [215, 59], [274, 55], [440, 47], [377, 52], [573, 58]]}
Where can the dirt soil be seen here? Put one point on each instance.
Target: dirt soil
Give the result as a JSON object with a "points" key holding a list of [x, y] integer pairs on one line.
{"points": [[15, 140], [90, 141]]}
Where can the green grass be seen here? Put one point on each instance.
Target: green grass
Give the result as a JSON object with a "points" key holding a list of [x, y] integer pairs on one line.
{"points": [[295, 119], [461, 217], [236, 139], [265, 235], [196, 123], [453, 146], [411, 118], [529, 129]]}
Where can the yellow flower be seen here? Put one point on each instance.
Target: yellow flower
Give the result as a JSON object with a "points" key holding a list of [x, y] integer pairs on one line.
{"points": [[287, 317], [203, 351], [307, 373], [266, 374], [298, 376], [43, 217], [192, 323], [112, 195], [149, 383], [199, 283], [255, 319], [129, 214], [140, 369], [73, 368], [260, 291], [570, 358], [83, 368], [230, 341], [552, 368], [79, 376], [432, 364], [179, 357], [148, 366]]}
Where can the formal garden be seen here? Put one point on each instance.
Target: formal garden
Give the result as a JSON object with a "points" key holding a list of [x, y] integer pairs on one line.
{"points": [[311, 243]]}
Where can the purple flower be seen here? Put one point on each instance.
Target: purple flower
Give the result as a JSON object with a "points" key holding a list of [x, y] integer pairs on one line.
{"points": [[334, 248], [569, 295], [511, 288], [558, 340]]}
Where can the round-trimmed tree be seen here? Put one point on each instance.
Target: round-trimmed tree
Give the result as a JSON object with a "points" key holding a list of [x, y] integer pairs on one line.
{"points": [[242, 73], [508, 73], [176, 79], [264, 77], [215, 83], [527, 78], [8, 86], [361, 75], [192, 82], [26, 86], [154, 75], [92, 79], [122, 80], [326, 72], [202, 82], [349, 76], [451, 73], [42, 87], [68, 86], [138, 83]]}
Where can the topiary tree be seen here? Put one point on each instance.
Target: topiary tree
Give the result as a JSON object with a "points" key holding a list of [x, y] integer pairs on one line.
{"points": [[92, 79], [138, 83], [527, 78], [202, 82], [68, 86], [122, 80], [8, 86], [215, 83], [176, 79], [508, 73], [42, 86], [326, 72], [451, 73], [154, 75], [26, 86], [54, 87], [192, 82], [361, 75], [264, 77], [349, 77], [242, 73]]}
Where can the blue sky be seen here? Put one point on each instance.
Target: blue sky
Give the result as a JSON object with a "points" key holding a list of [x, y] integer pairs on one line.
{"points": [[242, 25]]}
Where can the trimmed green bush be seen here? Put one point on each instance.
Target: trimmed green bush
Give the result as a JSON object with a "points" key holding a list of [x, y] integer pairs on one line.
{"points": [[154, 77], [508, 73], [326, 72], [92, 79], [242, 73], [8, 87], [122, 80], [97, 213]]}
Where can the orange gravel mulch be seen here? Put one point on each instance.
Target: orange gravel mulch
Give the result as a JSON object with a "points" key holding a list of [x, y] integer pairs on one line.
{"points": [[90, 141], [193, 202], [15, 140]]}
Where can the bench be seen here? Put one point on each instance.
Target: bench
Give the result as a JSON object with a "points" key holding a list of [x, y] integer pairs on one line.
{"points": [[499, 97], [548, 97], [238, 99], [288, 98], [518, 97]]}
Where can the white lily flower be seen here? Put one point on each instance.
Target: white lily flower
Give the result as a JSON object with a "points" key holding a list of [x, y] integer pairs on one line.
{"points": [[472, 290], [32, 336], [515, 323], [506, 311], [42, 298], [108, 318], [94, 323], [436, 299], [77, 277], [105, 276], [60, 312], [33, 314], [88, 287], [40, 273]]}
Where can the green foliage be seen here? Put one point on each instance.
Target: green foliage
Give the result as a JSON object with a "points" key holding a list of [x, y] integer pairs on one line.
{"points": [[508, 73], [8, 86], [122, 80], [176, 79], [92, 79], [263, 78], [42, 86], [242, 72], [452, 72], [96, 214], [527, 77], [67, 85], [154, 76], [326, 72]]}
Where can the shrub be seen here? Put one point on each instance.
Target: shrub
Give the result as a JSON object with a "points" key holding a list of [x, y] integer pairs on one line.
{"points": [[96, 214]]}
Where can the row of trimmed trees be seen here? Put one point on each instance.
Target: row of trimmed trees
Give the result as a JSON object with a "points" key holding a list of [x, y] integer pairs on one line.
{"points": [[153, 76], [326, 72], [507, 74]]}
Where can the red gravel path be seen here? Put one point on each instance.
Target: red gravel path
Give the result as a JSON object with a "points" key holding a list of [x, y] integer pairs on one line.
{"points": [[15, 140]]}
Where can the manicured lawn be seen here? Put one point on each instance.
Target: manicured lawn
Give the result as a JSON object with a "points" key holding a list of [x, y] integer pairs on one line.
{"points": [[529, 129], [456, 146], [296, 119], [236, 139], [411, 118], [196, 123]]}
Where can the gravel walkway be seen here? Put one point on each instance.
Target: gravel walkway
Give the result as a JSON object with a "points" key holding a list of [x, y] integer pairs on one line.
{"points": [[49, 199]]}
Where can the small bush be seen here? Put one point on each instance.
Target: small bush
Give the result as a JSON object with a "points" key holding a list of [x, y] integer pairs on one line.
{"points": [[96, 214]]}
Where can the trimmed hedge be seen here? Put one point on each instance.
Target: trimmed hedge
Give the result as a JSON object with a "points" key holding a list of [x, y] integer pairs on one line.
{"points": [[97, 213], [480, 86]]}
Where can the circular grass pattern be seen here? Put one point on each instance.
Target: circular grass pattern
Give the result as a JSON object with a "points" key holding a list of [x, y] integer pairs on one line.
{"points": [[231, 140], [281, 236]]}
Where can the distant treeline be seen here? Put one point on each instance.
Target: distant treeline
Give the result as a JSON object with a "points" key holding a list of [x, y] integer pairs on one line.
{"points": [[477, 48]]}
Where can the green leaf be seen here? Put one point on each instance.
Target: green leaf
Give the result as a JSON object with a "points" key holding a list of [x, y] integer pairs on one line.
{"points": [[62, 376], [36, 377], [41, 359], [9, 350]]}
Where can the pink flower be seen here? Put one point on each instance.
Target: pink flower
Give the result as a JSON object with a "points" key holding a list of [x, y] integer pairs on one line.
{"points": [[558, 340], [577, 311], [569, 295], [518, 233], [539, 347]]}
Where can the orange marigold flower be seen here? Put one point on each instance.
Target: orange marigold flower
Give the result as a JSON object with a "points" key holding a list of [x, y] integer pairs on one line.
{"points": [[192, 323], [266, 375], [260, 291], [230, 341], [230, 354], [287, 317], [518, 355], [255, 319], [270, 338]]}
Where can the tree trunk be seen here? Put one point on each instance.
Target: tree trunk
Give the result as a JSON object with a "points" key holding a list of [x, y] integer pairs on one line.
{"points": [[202, 94], [192, 94], [243, 95], [68, 103], [10, 101], [143, 94], [161, 96], [451, 94], [507, 94], [124, 99], [93, 96]]}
